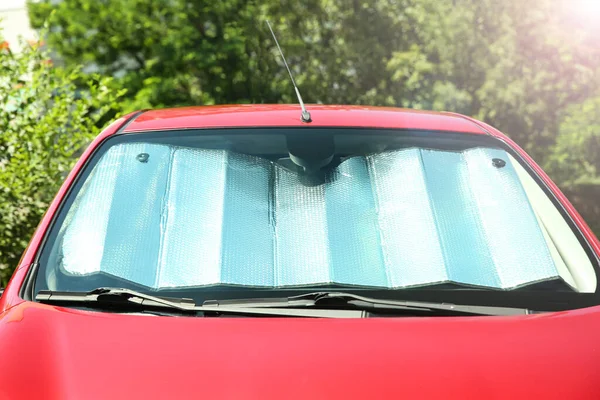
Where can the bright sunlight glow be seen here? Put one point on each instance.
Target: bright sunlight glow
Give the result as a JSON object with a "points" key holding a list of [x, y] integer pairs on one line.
{"points": [[586, 9]]}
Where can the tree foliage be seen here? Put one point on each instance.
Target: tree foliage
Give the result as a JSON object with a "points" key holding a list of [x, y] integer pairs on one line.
{"points": [[45, 119], [515, 66], [171, 52], [575, 158]]}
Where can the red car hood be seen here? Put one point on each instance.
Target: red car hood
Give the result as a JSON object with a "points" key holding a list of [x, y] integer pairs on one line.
{"points": [[56, 353]]}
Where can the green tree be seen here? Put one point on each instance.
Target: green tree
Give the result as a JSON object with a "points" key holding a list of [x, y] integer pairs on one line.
{"points": [[520, 66], [182, 52], [172, 52], [44, 122], [575, 160], [513, 66]]}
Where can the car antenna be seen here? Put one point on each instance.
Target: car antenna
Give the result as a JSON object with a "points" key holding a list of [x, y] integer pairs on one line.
{"points": [[305, 116]]}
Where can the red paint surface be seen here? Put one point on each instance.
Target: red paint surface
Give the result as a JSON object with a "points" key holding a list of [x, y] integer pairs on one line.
{"points": [[58, 353], [289, 115], [55, 353]]}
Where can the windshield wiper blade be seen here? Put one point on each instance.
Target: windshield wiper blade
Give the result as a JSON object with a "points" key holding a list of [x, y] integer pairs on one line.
{"points": [[321, 299], [115, 298], [125, 299]]}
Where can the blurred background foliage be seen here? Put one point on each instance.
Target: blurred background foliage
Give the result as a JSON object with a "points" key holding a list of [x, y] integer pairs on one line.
{"points": [[531, 69], [47, 116]]}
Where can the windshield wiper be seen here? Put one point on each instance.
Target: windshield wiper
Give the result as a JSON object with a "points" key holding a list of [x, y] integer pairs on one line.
{"points": [[117, 299], [328, 299], [127, 299], [317, 304]]}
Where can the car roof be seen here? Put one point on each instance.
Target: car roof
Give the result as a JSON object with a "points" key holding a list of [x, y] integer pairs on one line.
{"points": [[288, 115]]}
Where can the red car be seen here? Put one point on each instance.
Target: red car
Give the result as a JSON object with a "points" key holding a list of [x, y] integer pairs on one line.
{"points": [[241, 252]]}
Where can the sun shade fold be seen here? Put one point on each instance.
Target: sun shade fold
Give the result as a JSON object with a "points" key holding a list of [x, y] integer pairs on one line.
{"points": [[166, 216]]}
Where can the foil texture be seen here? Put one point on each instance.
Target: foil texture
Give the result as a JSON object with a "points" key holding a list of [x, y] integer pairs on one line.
{"points": [[195, 217]]}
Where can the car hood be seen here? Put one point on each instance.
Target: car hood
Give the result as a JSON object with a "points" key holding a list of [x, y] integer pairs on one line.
{"points": [[58, 353]]}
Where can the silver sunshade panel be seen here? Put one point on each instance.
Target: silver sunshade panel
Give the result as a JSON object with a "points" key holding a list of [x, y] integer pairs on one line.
{"points": [[195, 217]]}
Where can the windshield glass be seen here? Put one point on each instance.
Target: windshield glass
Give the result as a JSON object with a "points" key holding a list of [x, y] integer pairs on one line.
{"points": [[307, 208]]}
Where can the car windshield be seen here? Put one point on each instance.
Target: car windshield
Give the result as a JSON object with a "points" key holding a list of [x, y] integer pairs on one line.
{"points": [[307, 208]]}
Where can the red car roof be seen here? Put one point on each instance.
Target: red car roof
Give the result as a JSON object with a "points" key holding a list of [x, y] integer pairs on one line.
{"points": [[289, 115]]}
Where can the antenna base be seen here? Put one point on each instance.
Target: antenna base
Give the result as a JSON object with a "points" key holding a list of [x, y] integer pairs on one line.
{"points": [[305, 116]]}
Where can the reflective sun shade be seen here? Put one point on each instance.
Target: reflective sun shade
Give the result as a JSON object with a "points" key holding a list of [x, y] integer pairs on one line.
{"points": [[166, 216]]}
